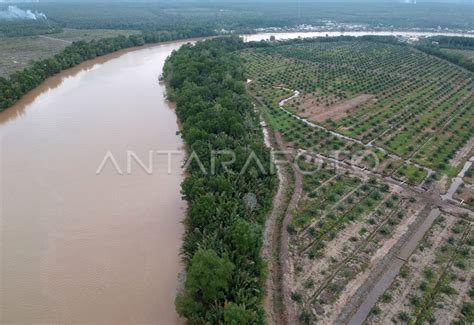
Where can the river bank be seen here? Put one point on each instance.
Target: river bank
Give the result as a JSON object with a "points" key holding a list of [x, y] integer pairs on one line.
{"points": [[88, 241]]}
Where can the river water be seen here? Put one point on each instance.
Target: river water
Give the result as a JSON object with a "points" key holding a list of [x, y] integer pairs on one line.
{"points": [[78, 246], [290, 35]]}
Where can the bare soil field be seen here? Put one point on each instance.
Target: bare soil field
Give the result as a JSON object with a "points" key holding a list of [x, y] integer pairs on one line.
{"points": [[17, 53], [465, 194], [318, 111]]}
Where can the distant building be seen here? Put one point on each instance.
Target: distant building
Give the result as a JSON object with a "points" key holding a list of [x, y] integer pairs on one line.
{"points": [[272, 38], [412, 40]]}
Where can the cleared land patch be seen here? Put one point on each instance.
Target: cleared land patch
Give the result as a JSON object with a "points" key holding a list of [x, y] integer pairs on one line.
{"points": [[319, 111], [17, 53]]}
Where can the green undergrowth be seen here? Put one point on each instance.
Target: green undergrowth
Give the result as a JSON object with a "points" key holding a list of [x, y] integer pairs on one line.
{"points": [[227, 207]]}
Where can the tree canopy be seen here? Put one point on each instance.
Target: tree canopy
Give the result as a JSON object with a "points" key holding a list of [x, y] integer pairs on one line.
{"points": [[226, 208]]}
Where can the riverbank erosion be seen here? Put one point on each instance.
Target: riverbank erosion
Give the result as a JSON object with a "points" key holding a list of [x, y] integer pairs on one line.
{"points": [[228, 197]]}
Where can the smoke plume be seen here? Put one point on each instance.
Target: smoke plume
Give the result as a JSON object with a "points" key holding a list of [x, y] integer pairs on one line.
{"points": [[13, 12]]}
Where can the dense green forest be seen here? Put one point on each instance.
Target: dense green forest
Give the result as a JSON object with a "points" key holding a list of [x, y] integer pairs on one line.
{"points": [[22, 27], [453, 42], [21, 82], [239, 16], [226, 209]]}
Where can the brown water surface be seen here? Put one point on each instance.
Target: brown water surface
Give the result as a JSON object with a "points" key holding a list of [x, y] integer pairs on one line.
{"points": [[77, 247]]}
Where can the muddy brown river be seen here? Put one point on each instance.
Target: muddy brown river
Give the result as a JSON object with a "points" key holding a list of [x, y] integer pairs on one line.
{"points": [[78, 246], [82, 247]]}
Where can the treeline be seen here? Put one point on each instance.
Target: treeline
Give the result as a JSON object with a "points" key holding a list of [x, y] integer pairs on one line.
{"points": [[14, 28], [453, 42], [22, 81], [457, 59], [331, 39], [227, 206], [247, 15], [435, 46], [425, 45]]}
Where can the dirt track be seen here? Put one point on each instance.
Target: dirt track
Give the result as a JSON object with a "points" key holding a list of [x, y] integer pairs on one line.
{"points": [[272, 235], [279, 307], [289, 311]]}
